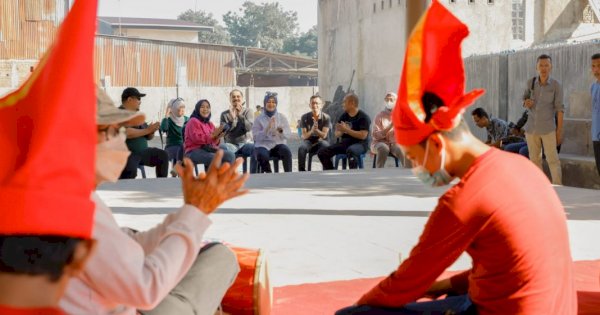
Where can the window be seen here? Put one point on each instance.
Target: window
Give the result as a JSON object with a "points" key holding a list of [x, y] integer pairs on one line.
{"points": [[471, 1], [490, 1], [374, 7], [390, 4], [382, 5], [452, 1], [518, 19]]}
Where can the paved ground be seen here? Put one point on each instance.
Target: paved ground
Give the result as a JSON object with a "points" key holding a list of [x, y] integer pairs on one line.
{"points": [[324, 226]]}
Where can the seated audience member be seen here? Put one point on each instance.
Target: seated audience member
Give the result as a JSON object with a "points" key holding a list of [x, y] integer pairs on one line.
{"points": [[497, 129], [383, 142], [202, 139], [137, 140], [515, 142], [238, 124], [353, 130], [164, 270], [315, 127], [271, 131], [519, 245], [172, 125], [258, 111]]}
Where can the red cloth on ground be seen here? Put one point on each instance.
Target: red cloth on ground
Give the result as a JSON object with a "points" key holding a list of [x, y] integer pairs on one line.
{"points": [[6, 310], [513, 227]]}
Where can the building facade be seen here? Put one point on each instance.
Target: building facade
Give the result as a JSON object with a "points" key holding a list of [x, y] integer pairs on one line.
{"points": [[367, 37]]}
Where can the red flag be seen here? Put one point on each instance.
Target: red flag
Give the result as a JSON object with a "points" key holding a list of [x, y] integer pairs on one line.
{"points": [[48, 137], [432, 64]]}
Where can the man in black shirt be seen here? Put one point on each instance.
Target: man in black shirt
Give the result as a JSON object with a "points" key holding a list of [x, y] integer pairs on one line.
{"points": [[352, 130], [315, 127]]}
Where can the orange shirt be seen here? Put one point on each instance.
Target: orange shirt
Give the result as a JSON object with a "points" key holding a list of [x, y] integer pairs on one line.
{"points": [[506, 215]]}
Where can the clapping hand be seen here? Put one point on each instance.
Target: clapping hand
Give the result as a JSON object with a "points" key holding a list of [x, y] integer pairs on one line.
{"points": [[211, 189]]}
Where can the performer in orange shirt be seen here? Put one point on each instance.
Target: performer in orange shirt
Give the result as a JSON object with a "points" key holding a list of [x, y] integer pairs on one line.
{"points": [[514, 230]]}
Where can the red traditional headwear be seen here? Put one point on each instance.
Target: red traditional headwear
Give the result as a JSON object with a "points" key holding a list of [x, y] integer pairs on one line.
{"points": [[432, 64], [48, 138]]}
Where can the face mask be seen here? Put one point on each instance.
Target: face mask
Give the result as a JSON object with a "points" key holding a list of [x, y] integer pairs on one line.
{"points": [[111, 158], [439, 177], [389, 105]]}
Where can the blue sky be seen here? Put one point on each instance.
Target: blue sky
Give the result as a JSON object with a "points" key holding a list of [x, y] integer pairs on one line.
{"points": [[169, 9]]}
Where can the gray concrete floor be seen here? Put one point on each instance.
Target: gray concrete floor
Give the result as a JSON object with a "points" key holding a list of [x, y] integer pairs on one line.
{"points": [[324, 226]]}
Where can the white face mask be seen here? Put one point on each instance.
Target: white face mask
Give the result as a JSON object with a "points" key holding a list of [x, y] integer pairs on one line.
{"points": [[111, 158], [389, 105]]}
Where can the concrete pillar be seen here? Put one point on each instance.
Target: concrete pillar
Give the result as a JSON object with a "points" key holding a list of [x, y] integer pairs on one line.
{"points": [[414, 10]]}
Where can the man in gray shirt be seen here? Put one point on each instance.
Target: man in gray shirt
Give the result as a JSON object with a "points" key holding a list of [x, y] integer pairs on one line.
{"points": [[543, 98], [238, 120]]}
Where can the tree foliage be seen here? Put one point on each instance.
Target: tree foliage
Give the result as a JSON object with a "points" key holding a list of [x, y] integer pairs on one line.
{"points": [[264, 25], [304, 45], [218, 36]]}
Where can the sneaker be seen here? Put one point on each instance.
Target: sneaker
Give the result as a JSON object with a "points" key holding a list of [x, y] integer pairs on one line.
{"points": [[173, 173]]}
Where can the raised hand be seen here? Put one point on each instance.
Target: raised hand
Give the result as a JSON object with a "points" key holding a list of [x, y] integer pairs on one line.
{"points": [[209, 190]]}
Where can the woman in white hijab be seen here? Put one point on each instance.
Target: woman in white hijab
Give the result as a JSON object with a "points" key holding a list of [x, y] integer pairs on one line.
{"points": [[172, 125]]}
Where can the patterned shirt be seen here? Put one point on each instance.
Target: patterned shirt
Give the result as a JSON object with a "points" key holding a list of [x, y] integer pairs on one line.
{"points": [[496, 130]]}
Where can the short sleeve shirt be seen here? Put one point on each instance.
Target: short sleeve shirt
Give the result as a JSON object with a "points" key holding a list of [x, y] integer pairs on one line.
{"points": [[139, 144], [497, 130], [307, 122], [359, 122]]}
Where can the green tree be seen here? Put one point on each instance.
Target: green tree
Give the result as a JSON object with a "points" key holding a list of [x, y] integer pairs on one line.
{"points": [[304, 45], [264, 25], [218, 36]]}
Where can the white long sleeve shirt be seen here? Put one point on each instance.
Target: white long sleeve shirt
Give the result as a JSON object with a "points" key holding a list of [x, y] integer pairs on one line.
{"points": [[135, 271], [269, 138]]}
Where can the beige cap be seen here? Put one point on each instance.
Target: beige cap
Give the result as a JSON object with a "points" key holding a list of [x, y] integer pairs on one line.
{"points": [[109, 114]]}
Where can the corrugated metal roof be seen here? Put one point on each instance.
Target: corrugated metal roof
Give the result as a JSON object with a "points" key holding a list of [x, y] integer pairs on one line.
{"points": [[148, 23], [138, 62]]}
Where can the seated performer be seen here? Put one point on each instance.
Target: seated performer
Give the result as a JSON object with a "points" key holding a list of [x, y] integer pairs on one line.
{"points": [[519, 245]]}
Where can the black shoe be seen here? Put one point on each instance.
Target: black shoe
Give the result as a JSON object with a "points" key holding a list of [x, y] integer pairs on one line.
{"points": [[352, 163]]}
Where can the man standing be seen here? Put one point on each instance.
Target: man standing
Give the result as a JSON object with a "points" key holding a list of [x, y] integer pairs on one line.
{"points": [[596, 109], [137, 140], [353, 129], [383, 133], [543, 98], [315, 127], [497, 129], [521, 261], [238, 119]]}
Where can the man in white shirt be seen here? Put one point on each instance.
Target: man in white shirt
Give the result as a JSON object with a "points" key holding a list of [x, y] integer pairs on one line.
{"points": [[162, 270]]}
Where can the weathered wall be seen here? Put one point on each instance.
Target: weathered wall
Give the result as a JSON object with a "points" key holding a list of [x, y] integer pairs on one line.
{"points": [[293, 101], [504, 77], [369, 37]]}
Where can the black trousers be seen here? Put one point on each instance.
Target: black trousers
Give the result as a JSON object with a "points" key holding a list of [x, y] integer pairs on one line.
{"points": [[149, 157]]}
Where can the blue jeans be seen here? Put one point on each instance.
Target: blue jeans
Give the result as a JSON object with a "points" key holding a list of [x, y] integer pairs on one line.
{"points": [[175, 152], [245, 150], [352, 151], [454, 305], [518, 147], [201, 156]]}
